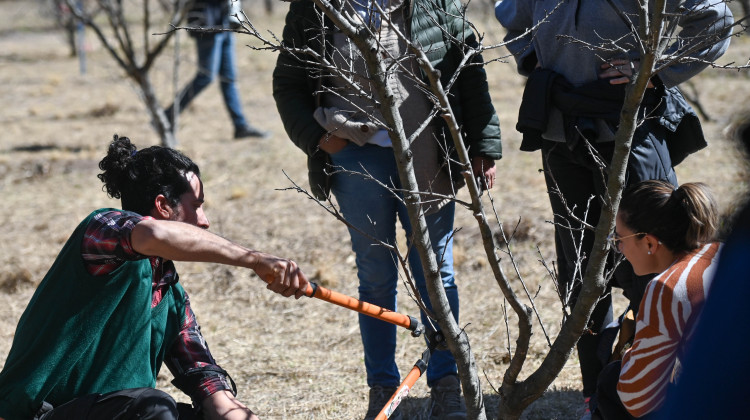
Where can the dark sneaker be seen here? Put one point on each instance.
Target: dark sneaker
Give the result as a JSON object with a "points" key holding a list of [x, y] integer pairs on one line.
{"points": [[379, 396], [446, 400], [250, 131]]}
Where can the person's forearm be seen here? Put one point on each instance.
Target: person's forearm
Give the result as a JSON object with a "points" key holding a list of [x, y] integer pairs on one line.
{"points": [[223, 406], [183, 242]]}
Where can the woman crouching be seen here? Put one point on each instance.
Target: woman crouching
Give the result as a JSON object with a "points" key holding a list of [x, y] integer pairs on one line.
{"points": [[660, 229]]}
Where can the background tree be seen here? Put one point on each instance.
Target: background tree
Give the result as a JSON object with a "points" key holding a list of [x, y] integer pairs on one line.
{"points": [[125, 29]]}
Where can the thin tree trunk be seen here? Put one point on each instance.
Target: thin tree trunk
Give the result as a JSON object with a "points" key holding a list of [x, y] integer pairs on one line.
{"points": [[157, 112], [518, 397]]}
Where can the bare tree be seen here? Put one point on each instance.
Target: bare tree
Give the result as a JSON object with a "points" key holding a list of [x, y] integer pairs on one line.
{"points": [[65, 20], [126, 34], [655, 31]]}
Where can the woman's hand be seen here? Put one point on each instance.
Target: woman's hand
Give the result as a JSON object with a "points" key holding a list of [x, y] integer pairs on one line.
{"points": [[620, 71], [331, 143]]}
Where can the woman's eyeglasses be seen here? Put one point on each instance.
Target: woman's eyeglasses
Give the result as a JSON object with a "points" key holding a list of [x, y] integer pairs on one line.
{"points": [[614, 239]]}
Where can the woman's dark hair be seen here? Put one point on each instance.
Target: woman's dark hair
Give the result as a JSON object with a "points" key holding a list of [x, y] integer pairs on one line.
{"points": [[683, 219], [136, 177]]}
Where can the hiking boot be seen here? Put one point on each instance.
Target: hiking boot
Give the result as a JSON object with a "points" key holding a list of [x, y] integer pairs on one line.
{"points": [[446, 400], [250, 131], [379, 396]]}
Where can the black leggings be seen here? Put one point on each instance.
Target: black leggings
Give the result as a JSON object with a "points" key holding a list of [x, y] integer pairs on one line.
{"points": [[609, 406], [134, 403]]}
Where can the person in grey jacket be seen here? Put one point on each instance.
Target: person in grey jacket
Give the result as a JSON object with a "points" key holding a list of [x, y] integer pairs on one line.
{"points": [[561, 57], [344, 138]]}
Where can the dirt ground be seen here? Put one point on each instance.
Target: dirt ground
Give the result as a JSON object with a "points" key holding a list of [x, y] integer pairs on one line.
{"points": [[290, 359]]}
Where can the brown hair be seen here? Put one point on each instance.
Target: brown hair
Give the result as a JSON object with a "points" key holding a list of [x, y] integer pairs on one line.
{"points": [[683, 219]]}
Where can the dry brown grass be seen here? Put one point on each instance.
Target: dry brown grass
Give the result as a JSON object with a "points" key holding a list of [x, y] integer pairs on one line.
{"points": [[290, 359]]}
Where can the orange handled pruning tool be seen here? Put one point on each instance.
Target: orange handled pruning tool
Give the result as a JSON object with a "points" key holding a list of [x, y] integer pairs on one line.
{"points": [[435, 340], [401, 320]]}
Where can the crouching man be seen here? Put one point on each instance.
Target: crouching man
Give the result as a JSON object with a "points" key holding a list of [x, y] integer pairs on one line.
{"points": [[111, 309]]}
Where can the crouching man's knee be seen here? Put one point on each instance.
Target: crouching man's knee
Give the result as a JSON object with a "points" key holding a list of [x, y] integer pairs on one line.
{"points": [[153, 404]]}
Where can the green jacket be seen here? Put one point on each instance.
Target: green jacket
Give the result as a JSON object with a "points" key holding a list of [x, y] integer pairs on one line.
{"points": [[294, 84], [84, 334]]}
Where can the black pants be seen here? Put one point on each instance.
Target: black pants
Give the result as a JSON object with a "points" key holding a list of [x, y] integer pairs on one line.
{"points": [[609, 405], [135, 403], [577, 176]]}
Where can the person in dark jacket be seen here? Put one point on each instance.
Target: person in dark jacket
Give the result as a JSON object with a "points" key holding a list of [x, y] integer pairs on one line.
{"points": [[215, 52], [350, 153], [111, 309], [570, 110]]}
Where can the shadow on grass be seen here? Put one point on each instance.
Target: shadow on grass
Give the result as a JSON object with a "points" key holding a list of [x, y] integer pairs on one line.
{"points": [[37, 148], [555, 404]]}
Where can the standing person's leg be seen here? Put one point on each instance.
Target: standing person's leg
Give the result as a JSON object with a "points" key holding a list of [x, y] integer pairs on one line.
{"points": [[446, 401], [372, 209], [208, 66], [576, 176], [228, 79], [135, 403], [440, 228], [228, 83]]}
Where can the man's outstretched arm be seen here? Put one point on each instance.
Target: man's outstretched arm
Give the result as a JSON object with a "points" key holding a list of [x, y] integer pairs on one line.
{"points": [[184, 242]]}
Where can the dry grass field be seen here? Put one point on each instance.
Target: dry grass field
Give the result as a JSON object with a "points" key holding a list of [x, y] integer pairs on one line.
{"points": [[290, 359]]}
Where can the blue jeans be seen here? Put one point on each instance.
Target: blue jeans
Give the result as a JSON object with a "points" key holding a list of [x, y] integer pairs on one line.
{"points": [[216, 57], [374, 210]]}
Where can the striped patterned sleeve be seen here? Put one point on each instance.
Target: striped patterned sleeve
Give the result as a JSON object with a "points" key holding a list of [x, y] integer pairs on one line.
{"points": [[647, 366], [667, 312]]}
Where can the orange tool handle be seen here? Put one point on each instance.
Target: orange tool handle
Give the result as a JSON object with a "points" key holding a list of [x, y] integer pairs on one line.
{"points": [[365, 308], [403, 390]]}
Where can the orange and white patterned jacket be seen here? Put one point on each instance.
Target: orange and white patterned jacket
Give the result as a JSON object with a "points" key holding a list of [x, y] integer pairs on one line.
{"points": [[668, 312]]}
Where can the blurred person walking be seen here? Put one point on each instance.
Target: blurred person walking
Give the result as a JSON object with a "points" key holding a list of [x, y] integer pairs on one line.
{"points": [[216, 57]]}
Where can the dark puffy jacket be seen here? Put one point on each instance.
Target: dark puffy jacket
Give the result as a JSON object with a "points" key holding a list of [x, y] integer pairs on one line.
{"points": [[294, 84], [661, 106]]}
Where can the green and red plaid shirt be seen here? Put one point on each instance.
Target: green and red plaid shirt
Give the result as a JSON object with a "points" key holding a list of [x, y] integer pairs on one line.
{"points": [[106, 245]]}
